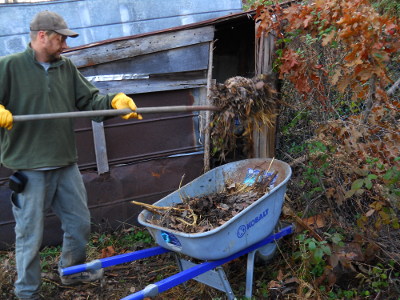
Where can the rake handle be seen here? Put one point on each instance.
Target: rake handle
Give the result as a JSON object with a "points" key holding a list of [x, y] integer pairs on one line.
{"points": [[110, 112]]}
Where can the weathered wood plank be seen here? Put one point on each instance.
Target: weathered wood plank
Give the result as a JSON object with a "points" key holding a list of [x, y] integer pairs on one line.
{"points": [[207, 132], [148, 86], [113, 51], [184, 59], [264, 140]]}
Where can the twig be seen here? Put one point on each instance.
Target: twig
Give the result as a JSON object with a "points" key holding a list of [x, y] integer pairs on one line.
{"points": [[394, 87], [162, 269], [371, 97], [192, 214], [59, 285], [182, 197], [270, 178], [296, 161], [156, 209], [303, 224], [243, 188], [185, 222], [180, 183], [270, 164], [378, 295]]}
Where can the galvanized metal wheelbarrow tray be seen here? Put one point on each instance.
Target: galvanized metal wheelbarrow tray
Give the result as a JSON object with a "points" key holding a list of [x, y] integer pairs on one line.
{"points": [[248, 227], [253, 231]]}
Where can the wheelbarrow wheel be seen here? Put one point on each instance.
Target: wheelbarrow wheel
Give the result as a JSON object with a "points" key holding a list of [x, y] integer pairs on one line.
{"points": [[267, 252]]}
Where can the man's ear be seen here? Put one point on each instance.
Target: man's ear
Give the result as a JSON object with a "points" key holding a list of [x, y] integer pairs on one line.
{"points": [[41, 35]]}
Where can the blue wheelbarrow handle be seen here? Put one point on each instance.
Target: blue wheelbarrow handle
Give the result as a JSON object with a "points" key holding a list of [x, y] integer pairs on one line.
{"points": [[174, 280], [113, 260]]}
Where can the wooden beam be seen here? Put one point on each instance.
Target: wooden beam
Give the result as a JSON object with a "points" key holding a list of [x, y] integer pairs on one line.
{"points": [[118, 50], [264, 140], [207, 140]]}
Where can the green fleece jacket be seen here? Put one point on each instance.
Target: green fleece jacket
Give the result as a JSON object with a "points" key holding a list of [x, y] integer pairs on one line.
{"points": [[26, 88]]}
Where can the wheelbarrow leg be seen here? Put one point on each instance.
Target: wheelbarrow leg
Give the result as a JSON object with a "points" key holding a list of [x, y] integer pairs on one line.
{"points": [[250, 273], [227, 287], [265, 253], [215, 278]]}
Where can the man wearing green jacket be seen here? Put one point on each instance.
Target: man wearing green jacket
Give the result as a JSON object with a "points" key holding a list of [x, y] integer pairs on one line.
{"points": [[43, 153]]}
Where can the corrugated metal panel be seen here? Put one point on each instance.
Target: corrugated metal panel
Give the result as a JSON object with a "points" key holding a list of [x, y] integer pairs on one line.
{"points": [[98, 20]]}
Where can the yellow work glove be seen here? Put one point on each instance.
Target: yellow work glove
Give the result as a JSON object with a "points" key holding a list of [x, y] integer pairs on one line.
{"points": [[6, 118], [121, 101]]}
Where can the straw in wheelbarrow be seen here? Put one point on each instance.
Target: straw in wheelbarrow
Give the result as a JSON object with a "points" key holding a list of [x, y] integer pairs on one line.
{"points": [[206, 212]]}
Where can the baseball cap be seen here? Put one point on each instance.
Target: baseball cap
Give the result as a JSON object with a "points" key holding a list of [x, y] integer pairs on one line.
{"points": [[48, 20]]}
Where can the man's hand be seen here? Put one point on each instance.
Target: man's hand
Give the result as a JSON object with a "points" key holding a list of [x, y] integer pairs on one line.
{"points": [[121, 101], [6, 118]]}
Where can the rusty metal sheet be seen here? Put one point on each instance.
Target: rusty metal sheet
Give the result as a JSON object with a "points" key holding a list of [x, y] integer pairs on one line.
{"points": [[160, 134], [110, 194]]}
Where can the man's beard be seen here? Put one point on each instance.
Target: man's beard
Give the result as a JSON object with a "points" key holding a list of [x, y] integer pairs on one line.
{"points": [[54, 57]]}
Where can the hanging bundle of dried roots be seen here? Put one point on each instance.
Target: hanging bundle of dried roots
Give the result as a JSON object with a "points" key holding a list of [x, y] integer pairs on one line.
{"points": [[245, 105]]}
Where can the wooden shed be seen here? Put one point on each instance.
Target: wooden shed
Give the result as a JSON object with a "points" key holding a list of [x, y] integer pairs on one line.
{"points": [[145, 160]]}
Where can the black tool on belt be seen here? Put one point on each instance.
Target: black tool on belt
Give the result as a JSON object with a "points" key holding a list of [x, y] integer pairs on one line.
{"points": [[17, 182]]}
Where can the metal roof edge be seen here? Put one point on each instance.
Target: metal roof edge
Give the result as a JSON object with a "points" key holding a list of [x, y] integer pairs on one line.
{"points": [[171, 29]]}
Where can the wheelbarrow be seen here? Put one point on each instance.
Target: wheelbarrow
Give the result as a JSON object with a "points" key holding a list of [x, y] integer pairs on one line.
{"points": [[252, 231]]}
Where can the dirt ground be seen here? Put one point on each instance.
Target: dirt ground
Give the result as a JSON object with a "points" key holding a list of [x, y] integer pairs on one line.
{"points": [[123, 280]]}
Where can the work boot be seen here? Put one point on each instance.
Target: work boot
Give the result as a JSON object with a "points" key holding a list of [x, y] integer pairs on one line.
{"points": [[82, 277]]}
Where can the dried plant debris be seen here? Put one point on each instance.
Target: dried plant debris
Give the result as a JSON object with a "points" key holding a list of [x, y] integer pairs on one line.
{"points": [[206, 212], [245, 104]]}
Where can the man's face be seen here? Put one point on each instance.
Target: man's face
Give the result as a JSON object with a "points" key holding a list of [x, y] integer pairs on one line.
{"points": [[54, 44]]}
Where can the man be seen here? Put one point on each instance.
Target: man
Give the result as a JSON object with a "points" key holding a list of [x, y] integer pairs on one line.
{"points": [[40, 80]]}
